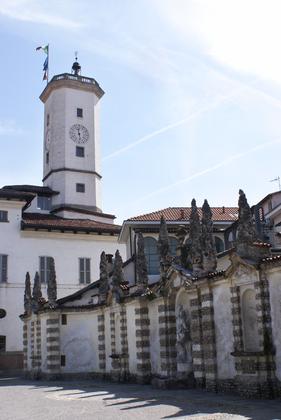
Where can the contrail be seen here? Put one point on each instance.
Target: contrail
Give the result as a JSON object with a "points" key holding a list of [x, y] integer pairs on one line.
{"points": [[210, 169], [189, 118]]}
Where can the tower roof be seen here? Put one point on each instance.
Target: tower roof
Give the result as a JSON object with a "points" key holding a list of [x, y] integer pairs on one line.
{"points": [[72, 81]]}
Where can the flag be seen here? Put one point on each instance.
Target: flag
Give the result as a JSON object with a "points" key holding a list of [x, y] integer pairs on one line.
{"points": [[46, 62], [44, 48]]}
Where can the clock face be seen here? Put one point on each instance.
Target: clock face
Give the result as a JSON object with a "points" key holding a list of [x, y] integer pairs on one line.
{"points": [[79, 134]]}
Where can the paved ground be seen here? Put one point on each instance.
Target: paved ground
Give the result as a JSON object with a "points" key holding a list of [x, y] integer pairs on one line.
{"points": [[62, 400]]}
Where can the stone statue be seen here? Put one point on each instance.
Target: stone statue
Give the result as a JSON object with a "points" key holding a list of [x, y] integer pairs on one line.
{"points": [[183, 336], [117, 276], [52, 284], [104, 278], [163, 247], [36, 293], [195, 239], [27, 295], [141, 264], [209, 253], [246, 231]]}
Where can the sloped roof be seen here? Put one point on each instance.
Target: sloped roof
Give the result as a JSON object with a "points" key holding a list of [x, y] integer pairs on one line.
{"points": [[228, 214], [48, 221], [36, 189]]}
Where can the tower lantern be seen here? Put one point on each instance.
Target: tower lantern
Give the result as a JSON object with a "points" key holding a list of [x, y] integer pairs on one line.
{"points": [[76, 68]]}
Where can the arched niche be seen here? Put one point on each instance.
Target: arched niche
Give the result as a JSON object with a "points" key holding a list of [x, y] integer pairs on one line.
{"points": [[183, 334], [250, 321]]}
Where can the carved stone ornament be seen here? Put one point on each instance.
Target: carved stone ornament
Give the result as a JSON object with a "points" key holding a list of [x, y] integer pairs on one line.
{"points": [[52, 284], [104, 278], [27, 295], [141, 265], [207, 240]]}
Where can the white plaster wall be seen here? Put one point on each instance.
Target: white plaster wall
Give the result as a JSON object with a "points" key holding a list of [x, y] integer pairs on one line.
{"points": [[131, 328], [224, 331], [74, 215], [274, 278], [79, 342], [154, 336]]}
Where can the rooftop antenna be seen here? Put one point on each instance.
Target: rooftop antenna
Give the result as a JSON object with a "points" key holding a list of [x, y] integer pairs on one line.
{"points": [[76, 68], [277, 179]]}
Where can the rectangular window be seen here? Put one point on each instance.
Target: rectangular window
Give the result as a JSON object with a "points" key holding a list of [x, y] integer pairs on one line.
{"points": [[48, 119], [84, 270], [47, 158], [62, 360], [63, 319], [2, 343], [3, 216], [43, 203], [80, 151], [3, 268], [80, 112], [45, 265], [80, 188]]}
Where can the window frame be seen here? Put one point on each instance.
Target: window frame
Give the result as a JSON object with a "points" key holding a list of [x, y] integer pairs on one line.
{"points": [[152, 259], [79, 111], [45, 200], [78, 150], [4, 219], [84, 267], [3, 268], [3, 339], [80, 187], [44, 269]]}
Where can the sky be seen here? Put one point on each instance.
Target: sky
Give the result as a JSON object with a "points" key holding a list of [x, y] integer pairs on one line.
{"points": [[193, 95]]}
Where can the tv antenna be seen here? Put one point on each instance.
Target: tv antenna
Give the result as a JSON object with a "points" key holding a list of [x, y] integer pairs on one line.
{"points": [[277, 179]]}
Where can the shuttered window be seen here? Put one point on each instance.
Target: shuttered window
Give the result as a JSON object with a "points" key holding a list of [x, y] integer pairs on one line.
{"points": [[45, 264], [3, 268], [84, 270]]}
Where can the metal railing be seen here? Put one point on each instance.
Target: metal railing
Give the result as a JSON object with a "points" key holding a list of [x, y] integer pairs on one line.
{"points": [[68, 76]]}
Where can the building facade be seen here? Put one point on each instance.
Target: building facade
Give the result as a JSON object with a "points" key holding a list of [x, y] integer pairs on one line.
{"points": [[196, 326], [61, 219]]}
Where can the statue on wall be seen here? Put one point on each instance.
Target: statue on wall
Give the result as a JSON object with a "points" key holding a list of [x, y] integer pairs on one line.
{"points": [[183, 335]]}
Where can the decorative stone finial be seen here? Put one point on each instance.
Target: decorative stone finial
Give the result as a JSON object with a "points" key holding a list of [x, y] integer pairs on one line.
{"points": [[141, 264], [117, 276], [27, 295], [52, 284], [195, 239], [163, 247], [207, 240], [246, 232], [36, 293], [104, 278]]}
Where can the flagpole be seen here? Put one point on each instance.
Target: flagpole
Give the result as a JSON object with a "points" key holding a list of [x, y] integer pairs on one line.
{"points": [[48, 63]]}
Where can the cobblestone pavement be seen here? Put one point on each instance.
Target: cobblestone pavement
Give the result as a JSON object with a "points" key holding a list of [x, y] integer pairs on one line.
{"points": [[62, 400]]}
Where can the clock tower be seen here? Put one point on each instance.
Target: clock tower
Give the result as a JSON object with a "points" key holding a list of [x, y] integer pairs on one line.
{"points": [[71, 144]]}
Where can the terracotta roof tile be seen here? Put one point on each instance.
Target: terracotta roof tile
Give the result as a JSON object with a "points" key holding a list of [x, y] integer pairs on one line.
{"points": [[229, 214], [47, 221]]}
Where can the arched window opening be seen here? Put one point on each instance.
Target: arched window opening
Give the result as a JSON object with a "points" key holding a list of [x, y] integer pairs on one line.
{"points": [[173, 245], [250, 321], [219, 244], [151, 254]]}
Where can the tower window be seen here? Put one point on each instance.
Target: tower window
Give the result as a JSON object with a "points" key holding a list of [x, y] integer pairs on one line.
{"points": [[80, 151], [62, 360], [48, 119], [80, 188], [80, 112], [3, 216], [47, 158]]}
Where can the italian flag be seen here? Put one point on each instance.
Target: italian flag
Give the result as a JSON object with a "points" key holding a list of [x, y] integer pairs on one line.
{"points": [[44, 48]]}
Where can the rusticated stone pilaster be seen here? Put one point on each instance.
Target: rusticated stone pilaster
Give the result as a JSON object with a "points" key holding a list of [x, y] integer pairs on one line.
{"points": [[25, 346], [101, 343], [167, 338], [197, 341], [142, 343], [53, 345]]}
